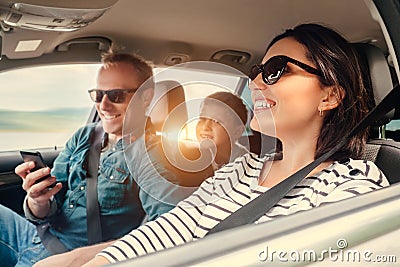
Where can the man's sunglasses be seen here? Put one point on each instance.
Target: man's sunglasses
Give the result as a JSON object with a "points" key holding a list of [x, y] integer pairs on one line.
{"points": [[273, 69], [115, 95]]}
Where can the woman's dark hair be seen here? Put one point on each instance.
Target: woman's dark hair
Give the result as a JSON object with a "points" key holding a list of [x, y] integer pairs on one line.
{"points": [[335, 57]]}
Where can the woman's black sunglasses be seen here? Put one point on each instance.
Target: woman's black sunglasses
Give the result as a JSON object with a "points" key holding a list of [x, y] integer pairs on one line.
{"points": [[273, 69], [115, 95]]}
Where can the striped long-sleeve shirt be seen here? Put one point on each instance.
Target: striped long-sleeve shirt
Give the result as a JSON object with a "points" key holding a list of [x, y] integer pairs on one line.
{"points": [[234, 186]]}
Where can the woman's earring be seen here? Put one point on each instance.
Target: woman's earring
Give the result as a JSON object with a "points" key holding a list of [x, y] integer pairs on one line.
{"points": [[321, 112]]}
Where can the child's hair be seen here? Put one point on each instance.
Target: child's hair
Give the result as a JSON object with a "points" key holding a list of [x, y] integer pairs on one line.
{"points": [[233, 101]]}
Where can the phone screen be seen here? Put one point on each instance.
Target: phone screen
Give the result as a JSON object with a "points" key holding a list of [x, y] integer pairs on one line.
{"points": [[38, 159]]}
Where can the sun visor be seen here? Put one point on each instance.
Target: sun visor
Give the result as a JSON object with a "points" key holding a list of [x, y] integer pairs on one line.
{"points": [[51, 18]]}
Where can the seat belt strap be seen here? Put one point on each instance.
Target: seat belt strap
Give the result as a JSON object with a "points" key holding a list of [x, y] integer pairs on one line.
{"points": [[94, 232], [256, 208], [49, 241]]}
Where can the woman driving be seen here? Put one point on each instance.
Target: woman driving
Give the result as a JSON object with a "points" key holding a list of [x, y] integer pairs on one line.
{"points": [[309, 93]]}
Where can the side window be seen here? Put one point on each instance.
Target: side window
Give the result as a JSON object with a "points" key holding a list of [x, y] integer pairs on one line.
{"points": [[42, 106], [246, 96], [393, 130]]}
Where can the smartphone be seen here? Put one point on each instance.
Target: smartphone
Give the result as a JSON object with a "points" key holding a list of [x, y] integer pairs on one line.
{"points": [[36, 157]]}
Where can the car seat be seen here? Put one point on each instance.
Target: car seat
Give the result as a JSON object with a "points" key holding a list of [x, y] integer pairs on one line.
{"points": [[168, 95], [385, 153], [168, 113]]}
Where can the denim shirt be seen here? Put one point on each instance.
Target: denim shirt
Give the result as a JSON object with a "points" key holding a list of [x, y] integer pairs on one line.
{"points": [[123, 203]]}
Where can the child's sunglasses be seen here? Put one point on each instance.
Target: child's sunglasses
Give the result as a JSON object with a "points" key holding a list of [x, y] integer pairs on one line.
{"points": [[273, 69], [115, 95]]}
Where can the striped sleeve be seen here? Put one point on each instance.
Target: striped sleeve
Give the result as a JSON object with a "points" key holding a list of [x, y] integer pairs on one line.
{"points": [[173, 228]]}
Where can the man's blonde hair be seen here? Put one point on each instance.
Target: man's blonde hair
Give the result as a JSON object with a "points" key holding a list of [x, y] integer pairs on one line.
{"points": [[143, 69]]}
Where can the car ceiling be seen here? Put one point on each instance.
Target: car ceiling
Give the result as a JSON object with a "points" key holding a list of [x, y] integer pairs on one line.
{"points": [[234, 32]]}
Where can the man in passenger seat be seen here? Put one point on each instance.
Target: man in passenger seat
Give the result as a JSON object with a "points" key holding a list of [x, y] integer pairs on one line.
{"points": [[122, 202]]}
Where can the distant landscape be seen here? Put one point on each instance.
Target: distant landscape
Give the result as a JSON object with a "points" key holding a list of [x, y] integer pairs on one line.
{"points": [[39, 129], [42, 121]]}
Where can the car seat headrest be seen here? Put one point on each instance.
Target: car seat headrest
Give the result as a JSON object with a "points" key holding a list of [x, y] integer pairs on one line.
{"points": [[373, 61], [168, 95]]}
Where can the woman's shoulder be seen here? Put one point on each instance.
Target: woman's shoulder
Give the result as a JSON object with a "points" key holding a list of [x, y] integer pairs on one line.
{"points": [[348, 169], [348, 178], [354, 167]]}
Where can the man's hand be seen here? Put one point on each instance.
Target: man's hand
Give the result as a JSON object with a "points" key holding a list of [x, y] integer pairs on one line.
{"points": [[76, 257], [38, 195]]}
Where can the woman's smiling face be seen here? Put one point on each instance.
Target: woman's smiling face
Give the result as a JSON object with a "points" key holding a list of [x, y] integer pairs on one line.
{"points": [[292, 103]]}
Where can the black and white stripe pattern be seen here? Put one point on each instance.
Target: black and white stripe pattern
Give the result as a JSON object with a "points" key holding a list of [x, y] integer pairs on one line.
{"points": [[232, 187]]}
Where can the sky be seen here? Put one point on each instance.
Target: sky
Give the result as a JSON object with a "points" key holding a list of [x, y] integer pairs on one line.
{"points": [[42, 88]]}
